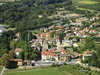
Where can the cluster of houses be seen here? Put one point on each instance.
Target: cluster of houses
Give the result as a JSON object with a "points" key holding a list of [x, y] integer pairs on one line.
{"points": [[51, 47], [58, 52]]}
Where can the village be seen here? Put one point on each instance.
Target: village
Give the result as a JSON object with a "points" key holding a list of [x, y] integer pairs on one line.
{"points": [[58, 42]]}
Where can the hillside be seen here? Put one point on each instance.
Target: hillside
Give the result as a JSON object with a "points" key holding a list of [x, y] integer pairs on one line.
{"points": [[87, 4], [57, 70]]}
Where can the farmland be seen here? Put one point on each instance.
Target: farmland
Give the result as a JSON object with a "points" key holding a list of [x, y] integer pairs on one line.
{"points": [[45, 71], [88, 2], [57, 70]]}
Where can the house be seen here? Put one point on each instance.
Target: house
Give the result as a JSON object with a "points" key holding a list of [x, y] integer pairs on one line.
{"points": [[82, 40], [68, 34], [18, 34], [27, 62], [47, 54], [63, 57], [63, 51], [17, 51], [19, 61], [92, 31], [43, 35], [67, 42], [74, 40], [75, 45], [57, 54], [75, 55], [87, 54]]}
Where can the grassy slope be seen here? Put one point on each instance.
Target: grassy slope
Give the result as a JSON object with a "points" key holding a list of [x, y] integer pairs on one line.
{"points": [[64, 70], [85, 2], [50, 71]]}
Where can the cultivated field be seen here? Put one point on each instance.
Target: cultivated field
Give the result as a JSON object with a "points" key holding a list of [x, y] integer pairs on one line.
{"points": [[88, 2], [63, 70]]}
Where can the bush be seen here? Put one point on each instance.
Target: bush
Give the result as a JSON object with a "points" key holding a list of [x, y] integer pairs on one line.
{"points": [[56, 65]]}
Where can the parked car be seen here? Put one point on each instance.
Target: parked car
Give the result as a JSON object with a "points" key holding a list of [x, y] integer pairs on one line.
{"points": [[47, 60]]}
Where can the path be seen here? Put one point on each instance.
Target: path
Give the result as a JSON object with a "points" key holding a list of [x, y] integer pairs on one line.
{"points": [[3, 69]]}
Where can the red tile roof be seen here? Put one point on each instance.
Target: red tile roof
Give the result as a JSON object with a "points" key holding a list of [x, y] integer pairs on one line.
{"points": [[43, 35], [18, 50], [63, 51], [47, 53], [16, 60]]}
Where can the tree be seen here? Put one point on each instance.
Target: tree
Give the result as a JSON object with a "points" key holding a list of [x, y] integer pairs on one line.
{"points": [[89, 43], [5, 60], [22, 55], [52, 34], [31, 54], [61, 36], [11, 54], [3, 49], [13, 44]]}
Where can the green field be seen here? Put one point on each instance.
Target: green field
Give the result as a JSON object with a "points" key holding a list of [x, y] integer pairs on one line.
{"points": [[64, 70], [60, 70], [48, 71], [88, 2], [90, 5]]}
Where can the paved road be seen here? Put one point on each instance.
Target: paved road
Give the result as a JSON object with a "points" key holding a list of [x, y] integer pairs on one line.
{"points": [[44, 63]]}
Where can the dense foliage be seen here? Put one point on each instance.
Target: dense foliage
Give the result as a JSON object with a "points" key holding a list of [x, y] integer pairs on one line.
{"points": [[24, 15], [50, 1]]}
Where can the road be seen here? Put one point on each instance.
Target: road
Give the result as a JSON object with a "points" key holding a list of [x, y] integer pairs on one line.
{"points": [[44, 63]]}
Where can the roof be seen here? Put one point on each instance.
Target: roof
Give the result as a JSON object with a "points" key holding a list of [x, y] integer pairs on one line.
{"points": [[88, 52], [47, 53], [43, 35], [75, 54], [63, 51], [16, 60], [18, 33], [18, 50]]}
